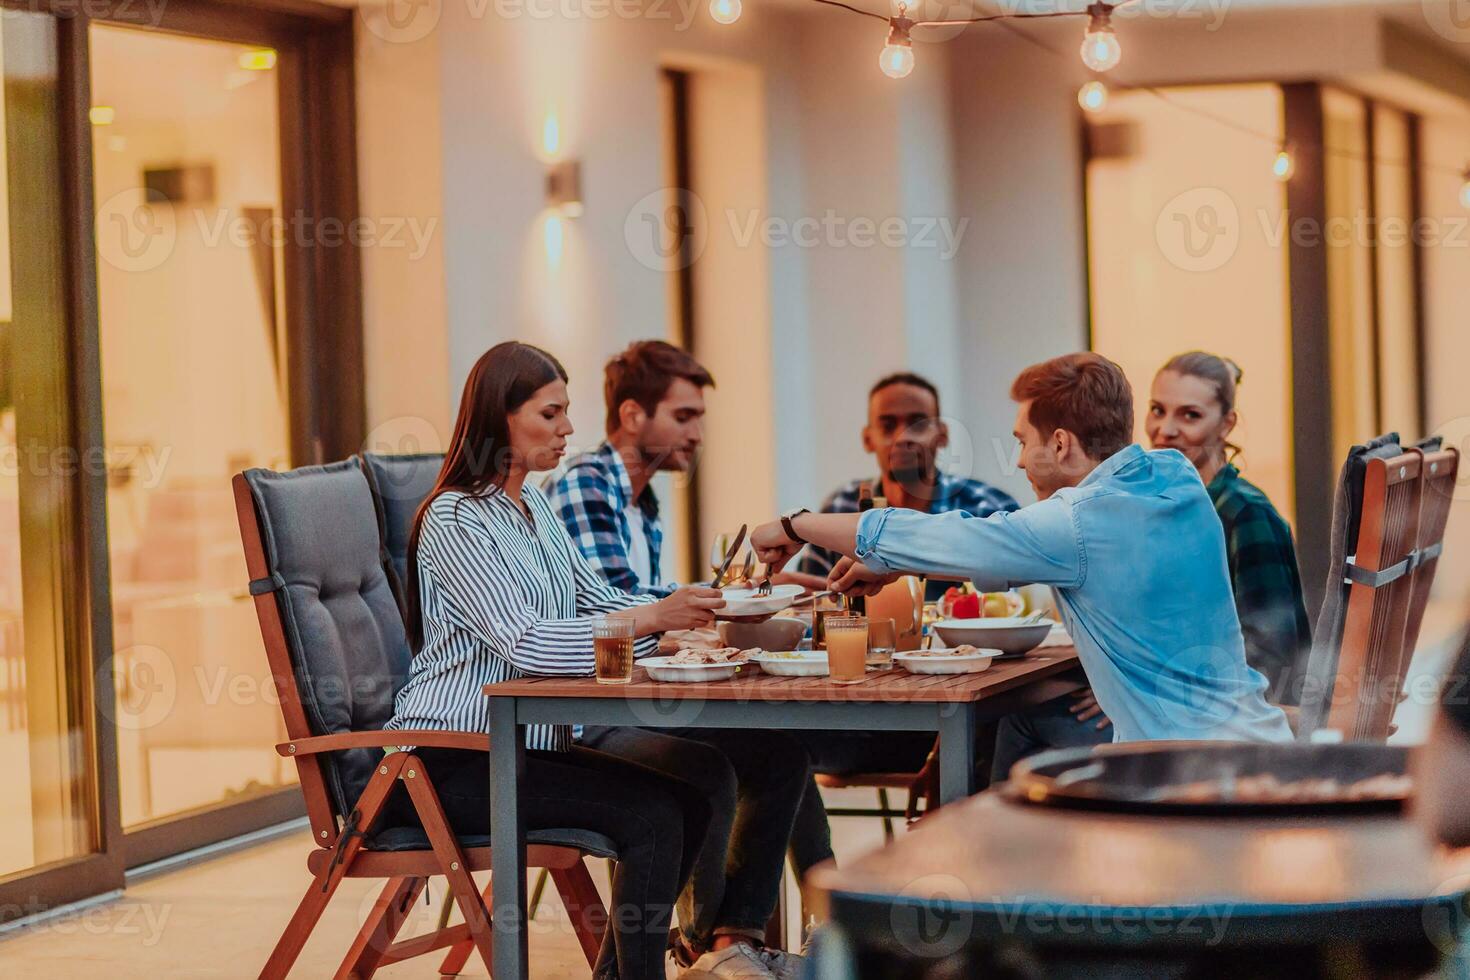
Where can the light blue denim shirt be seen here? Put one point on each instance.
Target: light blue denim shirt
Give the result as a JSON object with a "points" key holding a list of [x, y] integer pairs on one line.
{"points": [[1137, 556]]}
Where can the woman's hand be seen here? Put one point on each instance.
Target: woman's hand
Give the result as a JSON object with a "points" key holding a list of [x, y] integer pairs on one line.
{"points": [[690, 607], [852, 577]]}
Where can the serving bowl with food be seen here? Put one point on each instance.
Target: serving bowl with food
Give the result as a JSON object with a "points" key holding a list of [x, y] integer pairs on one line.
{"points": [[1011, 635], [781, 632], [962, 659]]}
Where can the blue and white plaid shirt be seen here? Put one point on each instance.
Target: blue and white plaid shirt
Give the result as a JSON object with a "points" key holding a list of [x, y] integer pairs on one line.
{"points": [[591, 496], [951, 493]]}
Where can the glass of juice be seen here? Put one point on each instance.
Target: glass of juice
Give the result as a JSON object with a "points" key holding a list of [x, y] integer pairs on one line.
{"points": [[612, 649], [847, 648], [882, 640]]}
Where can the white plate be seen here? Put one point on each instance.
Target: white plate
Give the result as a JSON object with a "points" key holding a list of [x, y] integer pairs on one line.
{"points": [[1011, 635], [959, 663], [662, 669], [744, 602], [805, 663]]}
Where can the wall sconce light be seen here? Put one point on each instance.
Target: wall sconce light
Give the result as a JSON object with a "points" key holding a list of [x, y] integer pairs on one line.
{"points": [[564, 188]]}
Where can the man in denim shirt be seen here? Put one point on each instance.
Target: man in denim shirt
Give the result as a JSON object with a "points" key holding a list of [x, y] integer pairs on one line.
{"points": [[1128, 538]]}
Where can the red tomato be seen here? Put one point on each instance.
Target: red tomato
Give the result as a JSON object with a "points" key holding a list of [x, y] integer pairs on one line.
{"points": [[966, 607]]}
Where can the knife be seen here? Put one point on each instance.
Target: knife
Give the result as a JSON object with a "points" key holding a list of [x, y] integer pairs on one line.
{"points": [[729, 557]]}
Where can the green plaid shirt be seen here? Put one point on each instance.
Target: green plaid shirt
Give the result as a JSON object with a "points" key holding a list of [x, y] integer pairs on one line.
{"points": [[1267, 584]]}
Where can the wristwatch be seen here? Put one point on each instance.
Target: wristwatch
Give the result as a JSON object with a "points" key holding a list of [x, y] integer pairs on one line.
{"points": [[790, 528]]}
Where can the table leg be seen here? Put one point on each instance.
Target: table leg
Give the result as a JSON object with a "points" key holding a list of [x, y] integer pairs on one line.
{"points": [[957, 723], [508, 840]]}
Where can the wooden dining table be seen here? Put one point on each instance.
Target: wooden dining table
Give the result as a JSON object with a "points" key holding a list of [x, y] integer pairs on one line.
{"points": [[953, 706], [996, 884]]}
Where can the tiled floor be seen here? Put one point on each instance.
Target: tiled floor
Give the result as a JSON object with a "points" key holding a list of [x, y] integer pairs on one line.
{"points": [[221, 919]]}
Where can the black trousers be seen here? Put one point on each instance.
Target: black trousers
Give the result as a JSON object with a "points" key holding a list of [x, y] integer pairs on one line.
{"points": [[657, 823]]}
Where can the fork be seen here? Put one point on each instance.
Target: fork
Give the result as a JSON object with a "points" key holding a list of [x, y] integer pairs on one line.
{"points": [[764, 589]]}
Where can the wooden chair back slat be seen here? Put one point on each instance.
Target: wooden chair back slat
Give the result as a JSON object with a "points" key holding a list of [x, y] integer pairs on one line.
{"points": [[1374, 632], [1439, 472], [273, 632]]}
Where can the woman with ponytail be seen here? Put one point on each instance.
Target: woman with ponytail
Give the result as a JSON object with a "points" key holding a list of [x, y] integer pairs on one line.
{"points": [[1192, 409]]}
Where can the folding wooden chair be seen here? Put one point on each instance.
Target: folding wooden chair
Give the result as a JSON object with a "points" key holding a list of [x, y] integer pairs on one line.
{"points": [[921, 786], [1376, 596], [337, 651]]}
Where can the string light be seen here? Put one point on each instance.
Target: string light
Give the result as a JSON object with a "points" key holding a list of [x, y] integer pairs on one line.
{"points": [[1100, 48], [1093, 96], [897, 57], [1283, 166], [724, 11]]}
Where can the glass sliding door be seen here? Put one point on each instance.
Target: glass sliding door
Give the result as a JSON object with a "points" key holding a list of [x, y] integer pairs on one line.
{"points": [[190, 235], [50, 817]]}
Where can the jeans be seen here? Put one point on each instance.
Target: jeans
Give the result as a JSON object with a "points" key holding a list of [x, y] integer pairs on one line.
{"points": [[657, 824], [1047, 726], [843, 753], [753, 782]]}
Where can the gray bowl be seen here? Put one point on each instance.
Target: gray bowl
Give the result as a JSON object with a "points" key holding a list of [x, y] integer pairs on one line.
{"points": [[777, 634], [1009, 640]]}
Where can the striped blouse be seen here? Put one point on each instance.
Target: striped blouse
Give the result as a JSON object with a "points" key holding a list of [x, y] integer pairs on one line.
{"points": [[502, 597]]}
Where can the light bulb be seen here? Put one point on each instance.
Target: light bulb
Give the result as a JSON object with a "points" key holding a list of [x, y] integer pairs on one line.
{"points": [[897, 57], [724, 11], [1093, 96], [1101, 50], [1283, 166], [896, 60]]}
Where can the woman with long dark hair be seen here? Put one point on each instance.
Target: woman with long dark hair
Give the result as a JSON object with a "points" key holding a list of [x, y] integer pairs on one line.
{"points": [[497, 589], [1191, 408]]}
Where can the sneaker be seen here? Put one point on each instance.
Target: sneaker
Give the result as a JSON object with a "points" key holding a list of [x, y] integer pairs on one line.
{"points": [[737, 962]]}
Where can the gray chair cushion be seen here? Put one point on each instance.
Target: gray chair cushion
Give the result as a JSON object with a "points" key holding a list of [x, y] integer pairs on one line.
{"points": [[414, 839], [342, 622], [400, 484]]}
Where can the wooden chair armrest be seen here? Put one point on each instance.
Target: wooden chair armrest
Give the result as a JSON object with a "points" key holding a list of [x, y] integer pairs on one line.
{"points": [[474, 741]]}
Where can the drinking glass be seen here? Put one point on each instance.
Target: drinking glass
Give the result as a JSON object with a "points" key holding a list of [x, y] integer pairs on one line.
{"points": [[612, 649], [847, 648], [717, 550], [882, 641], [824, 609]]}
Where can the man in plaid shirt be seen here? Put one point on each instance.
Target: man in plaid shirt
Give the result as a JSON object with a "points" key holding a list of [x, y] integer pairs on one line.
{"points": [[905, 433], [655, 421]]}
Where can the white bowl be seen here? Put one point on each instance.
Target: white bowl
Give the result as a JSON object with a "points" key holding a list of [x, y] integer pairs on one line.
{"points": [[661, 669], [1009, 634], [744, 602], [799, 663], [959, 663]]}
